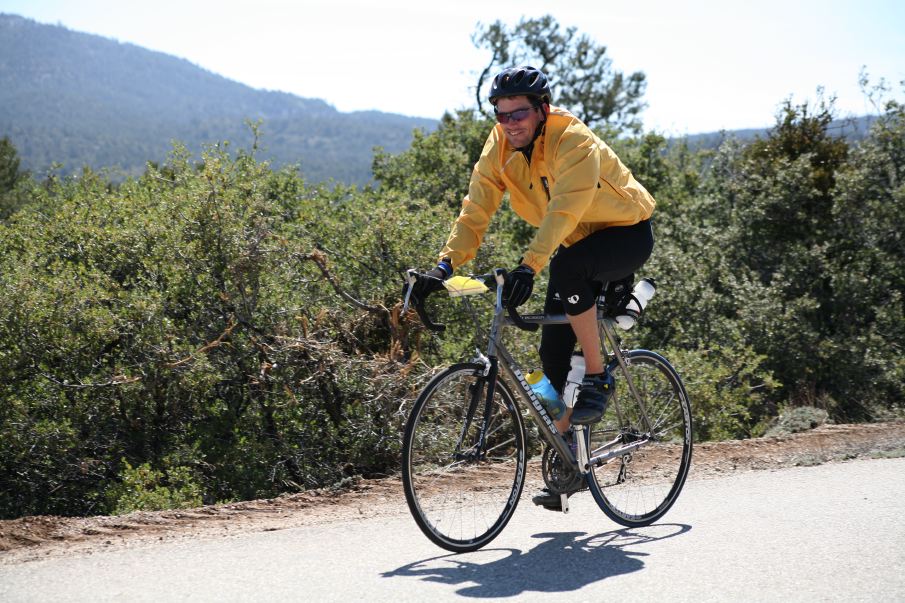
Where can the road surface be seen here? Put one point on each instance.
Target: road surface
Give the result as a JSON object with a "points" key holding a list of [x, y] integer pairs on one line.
{"points": [[833, 532]]}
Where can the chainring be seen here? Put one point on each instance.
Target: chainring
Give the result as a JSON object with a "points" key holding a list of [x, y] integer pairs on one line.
{"points": [[559, 477]]}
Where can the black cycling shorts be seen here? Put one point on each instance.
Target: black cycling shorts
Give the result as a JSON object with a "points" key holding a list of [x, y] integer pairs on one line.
{"points": [[577, 274]]}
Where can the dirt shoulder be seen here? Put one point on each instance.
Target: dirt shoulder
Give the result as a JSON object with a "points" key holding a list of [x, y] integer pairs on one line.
{"points": [[42, 537]]}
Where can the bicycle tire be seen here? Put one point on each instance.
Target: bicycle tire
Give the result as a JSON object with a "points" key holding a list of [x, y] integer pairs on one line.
{"points": [[460, 501], [638, 488]]}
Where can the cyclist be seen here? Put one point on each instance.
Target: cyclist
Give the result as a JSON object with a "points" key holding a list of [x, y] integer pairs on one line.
{"points": [[591, 216]]}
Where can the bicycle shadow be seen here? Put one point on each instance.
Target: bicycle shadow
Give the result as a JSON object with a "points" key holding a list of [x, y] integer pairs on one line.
{"points": [[564, 561]]}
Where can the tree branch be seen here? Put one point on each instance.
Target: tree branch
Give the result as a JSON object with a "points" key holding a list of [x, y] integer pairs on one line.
{"points": [[320, 260]]}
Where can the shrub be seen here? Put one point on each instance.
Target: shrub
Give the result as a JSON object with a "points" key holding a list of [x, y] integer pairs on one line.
{"points": [[221, 331], [729, 389], [797, 419], [223, 313], [146, 489]]}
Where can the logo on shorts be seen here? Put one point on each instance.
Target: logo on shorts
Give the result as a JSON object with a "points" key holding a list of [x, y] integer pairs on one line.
{"points": [[573, 299]]}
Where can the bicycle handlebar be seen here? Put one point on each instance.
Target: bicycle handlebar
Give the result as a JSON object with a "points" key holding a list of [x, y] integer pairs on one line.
{"points": [[418, 304], [498, 276], [426, 319], [519, 322]]}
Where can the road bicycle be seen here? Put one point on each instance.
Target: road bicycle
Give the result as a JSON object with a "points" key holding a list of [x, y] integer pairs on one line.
{"points": [[465, 453]]}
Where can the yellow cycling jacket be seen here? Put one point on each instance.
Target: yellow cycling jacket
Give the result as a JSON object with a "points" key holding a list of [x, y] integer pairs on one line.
{"points": [[574, 185]]}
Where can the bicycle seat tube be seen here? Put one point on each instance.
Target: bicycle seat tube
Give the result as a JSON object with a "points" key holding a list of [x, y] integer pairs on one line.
{"points": [[608, 335]]}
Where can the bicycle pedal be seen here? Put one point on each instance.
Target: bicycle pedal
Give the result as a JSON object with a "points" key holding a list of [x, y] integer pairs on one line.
{"points": [[564, 502]]}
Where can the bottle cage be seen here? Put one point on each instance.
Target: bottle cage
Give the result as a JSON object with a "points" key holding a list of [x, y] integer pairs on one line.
{"points": [[616, 296]]}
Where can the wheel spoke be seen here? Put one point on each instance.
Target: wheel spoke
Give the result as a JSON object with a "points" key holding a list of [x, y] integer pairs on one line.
{"points": [[462, 500], [640, 486]]}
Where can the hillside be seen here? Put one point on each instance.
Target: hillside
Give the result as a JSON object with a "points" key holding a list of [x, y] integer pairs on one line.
{"points": [[80, 99], [851, 128]]}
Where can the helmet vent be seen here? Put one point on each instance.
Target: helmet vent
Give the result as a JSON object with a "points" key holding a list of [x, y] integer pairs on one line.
{"points": [[520, 81]]}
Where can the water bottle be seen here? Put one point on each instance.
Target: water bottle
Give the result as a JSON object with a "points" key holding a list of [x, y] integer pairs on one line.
{"points": [[641, 294], [546, 393], [573, 379]]}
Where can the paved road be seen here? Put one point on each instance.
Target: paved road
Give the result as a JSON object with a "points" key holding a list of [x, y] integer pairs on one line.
{"points": [[827, 533]]}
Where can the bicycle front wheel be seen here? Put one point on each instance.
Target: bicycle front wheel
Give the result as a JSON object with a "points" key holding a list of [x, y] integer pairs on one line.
{"points": [[461, 490], [638, 487]]}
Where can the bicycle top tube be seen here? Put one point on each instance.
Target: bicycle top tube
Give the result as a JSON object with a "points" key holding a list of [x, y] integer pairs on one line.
{"points": [[495, 280], [550, 319], [541, 318]]}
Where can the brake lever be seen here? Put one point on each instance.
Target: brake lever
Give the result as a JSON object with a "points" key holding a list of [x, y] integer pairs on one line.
{"points": [[412, 279], [500, 275], [411, 274], [430, 324]]}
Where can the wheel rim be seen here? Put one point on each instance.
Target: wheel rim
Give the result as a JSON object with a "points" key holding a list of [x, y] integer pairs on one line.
{"points": [[640, 486], [461, 498]]}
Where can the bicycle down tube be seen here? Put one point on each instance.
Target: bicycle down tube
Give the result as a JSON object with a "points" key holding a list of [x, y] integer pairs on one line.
{"points": [[496, 349]]}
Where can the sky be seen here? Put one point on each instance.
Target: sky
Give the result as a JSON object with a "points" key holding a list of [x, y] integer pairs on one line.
{"points": [[710, 64]]}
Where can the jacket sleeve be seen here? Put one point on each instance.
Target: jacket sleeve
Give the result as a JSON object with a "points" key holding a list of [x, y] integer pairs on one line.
{"points": [[575, 172], [485, 193]]}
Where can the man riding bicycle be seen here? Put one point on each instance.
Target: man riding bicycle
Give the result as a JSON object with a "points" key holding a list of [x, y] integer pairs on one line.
{"points": [[591, 216]]}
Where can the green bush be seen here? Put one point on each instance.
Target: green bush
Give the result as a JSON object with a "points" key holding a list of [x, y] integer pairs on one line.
{"points": [[729, 388], [146, 489], [221, 312], [220, 331], [797, 419]]}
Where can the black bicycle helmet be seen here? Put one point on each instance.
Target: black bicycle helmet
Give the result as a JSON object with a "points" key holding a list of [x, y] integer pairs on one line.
{"points": [[520, 81]]}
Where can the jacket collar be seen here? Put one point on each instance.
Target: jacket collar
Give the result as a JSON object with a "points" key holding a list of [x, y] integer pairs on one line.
{"points": [[538, 140]]}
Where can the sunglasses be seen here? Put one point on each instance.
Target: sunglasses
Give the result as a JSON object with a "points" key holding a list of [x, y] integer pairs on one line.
{"points": [[504, 117]]}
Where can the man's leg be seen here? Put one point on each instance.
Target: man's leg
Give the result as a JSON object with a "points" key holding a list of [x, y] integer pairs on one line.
{"points": [[556, 345], [606, 255], [584, 326]]}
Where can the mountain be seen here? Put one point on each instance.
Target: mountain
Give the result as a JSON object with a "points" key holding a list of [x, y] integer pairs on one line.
{"points": [[79, 99], [852, 129]]}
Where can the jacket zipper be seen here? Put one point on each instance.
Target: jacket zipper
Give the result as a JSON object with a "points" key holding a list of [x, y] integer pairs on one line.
{"points": [[543, 180]]}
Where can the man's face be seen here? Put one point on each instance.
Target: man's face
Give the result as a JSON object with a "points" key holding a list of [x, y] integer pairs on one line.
{"points": [[519, 133]]}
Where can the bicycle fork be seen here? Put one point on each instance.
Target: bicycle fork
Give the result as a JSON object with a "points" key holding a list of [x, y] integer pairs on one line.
{"points": [[480, 392]]}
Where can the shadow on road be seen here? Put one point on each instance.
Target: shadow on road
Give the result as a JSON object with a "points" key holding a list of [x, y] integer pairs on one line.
{"points": [[564, 561]]}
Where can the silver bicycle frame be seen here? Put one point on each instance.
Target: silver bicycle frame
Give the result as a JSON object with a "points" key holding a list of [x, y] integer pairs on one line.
{"points": [[610, 344]]}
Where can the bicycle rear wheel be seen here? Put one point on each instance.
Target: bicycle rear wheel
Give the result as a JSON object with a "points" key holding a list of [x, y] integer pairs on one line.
{"points": [[639, 487], [462, 494]]}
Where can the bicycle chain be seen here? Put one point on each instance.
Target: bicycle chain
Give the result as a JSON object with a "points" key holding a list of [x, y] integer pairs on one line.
{"points": [[559, 477]]}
